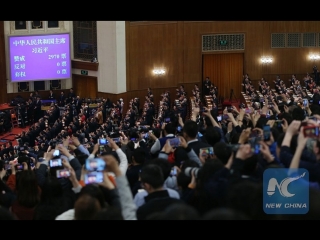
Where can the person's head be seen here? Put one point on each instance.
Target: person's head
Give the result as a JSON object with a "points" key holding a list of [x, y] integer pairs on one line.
{"points": [[151, 177], [224, 214], [262, 121], [298, 114], [180, 211], [51, 189], [222, 151], [28, 194], [86, 207], [246, 197], [164, 165], [111, 213], [190, 130], [95, 191], [139, 155], [250, 165], [169, 128], [212, 135]]}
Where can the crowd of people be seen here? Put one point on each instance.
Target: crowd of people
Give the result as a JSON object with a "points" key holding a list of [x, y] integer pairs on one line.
{"points": [[157, 161]]}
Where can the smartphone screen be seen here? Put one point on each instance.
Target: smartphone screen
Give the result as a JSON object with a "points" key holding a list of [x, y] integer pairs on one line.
{"points": [[63, 173], [254, 134], [101, 148], [255, 145], [56, 153], [173, 172], [116, 140], [93, 177], [96, 164], [279, 123], [103, 141], [311, 131], [225, 117], [266, 133], [19, 167], [206, 151], [305, 102], [219, 118], [55, 163], [174, 142], [167, 120], [179, 128]]}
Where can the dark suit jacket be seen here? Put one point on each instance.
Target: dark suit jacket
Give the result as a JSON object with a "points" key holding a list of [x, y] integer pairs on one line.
{"points": [[52, 96]]}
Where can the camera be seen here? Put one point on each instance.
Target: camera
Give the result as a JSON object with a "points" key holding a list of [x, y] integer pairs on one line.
{"points": [[189, 170]]}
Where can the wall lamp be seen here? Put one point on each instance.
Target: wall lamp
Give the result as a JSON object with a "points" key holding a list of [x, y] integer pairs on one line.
{"points": [[159, 72], [266, 59], [314, 56]]}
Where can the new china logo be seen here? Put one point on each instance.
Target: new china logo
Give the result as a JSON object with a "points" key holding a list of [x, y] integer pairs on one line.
{"points": [[284, 193]]}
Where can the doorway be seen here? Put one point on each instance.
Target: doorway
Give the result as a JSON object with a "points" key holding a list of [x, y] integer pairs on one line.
{"points": [[225, 72]]}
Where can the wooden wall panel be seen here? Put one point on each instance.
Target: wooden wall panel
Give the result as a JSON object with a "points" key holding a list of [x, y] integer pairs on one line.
{"points": [[176, 46], [152, 47], [188, 55]]}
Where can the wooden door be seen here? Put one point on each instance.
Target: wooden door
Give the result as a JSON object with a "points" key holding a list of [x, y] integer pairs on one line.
{"points": [[85, 86], [225, 71]]}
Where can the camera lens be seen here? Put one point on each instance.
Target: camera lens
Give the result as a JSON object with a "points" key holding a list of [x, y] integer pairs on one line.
{"points": [[189, 170]]}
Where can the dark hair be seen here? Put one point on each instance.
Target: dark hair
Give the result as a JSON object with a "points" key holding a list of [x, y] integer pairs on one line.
{"points": [[170, 128], [212, 135], [206, 200], [249, 165], [111, 213], [224, 214], [139, 155], [53, 200], [298, 114], [86, 207], [94, 191], [28, 193], [152, 174], [180, 211], [246, 197], [262, 121], [222, 151], [164, 165], [190, 128]]}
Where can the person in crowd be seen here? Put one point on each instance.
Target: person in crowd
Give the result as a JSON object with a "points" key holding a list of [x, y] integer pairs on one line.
{"points": [[214, 171]]}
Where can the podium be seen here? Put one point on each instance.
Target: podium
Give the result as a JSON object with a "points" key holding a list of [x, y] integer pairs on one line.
{"points": [[46, 104]]}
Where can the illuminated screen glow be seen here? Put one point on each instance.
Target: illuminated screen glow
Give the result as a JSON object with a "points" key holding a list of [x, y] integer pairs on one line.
{"points": [[39, 57]]}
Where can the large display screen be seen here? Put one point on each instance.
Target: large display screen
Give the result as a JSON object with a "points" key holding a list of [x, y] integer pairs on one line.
{"points": [[39, 57]]}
